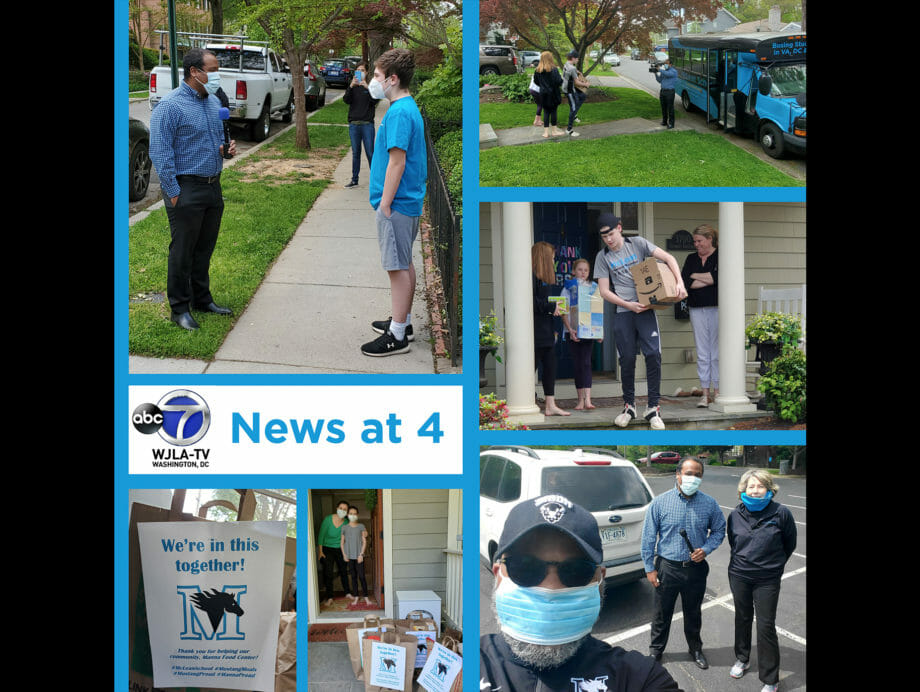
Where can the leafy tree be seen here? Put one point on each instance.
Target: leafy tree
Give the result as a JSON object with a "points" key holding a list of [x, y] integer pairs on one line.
{"points": [[585, 22], [295, 28]]}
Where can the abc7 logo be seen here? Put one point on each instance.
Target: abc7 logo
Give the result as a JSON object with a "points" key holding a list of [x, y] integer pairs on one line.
{"points": [[181, 418]]}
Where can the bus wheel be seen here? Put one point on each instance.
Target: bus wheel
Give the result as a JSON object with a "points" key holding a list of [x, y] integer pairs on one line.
{"points": [[771, 140], [685, 101]]}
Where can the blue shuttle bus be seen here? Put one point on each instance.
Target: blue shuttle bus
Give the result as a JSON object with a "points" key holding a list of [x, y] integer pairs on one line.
{"points": [[752, 84]]}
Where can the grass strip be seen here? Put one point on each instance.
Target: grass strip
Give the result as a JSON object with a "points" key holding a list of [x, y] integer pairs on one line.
{"points": [[627, 103], [261, 214], [664, 159]]}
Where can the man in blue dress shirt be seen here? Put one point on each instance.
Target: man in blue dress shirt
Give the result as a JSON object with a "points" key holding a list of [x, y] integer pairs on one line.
{"points": [[676, 564], [667, 77], [186, 146]]}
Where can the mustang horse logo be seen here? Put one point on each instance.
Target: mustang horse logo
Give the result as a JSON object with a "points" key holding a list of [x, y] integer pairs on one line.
{"points": [[215, 603]]}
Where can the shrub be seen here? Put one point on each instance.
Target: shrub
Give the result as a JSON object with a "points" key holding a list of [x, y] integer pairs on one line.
{"points": [[784, 385], [493, 414], [138, 80], [515, 87], [449, 151], [445, 114]]}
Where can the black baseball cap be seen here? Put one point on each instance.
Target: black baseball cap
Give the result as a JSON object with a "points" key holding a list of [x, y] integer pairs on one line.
{"points": [[556, 512], [607, 219], [572, 54]]}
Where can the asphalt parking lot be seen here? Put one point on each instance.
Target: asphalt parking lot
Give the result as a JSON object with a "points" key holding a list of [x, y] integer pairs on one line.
{"points": [[627, 612]]}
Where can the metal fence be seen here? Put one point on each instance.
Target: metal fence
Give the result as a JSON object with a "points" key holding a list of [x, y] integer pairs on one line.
{"points": [[446, 242]]}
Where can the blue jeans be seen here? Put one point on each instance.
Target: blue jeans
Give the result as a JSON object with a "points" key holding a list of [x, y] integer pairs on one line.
{"points": [[360, 133], [576, 98]]}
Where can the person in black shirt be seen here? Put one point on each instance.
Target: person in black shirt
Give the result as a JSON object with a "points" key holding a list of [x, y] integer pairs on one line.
{"points": [[701, 277], [361, 108], [544, 311], [549, 544], [762, 536]]}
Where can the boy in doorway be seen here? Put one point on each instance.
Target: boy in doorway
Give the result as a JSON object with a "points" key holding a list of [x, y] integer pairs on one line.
{"points": [[398, 177], [635, 326]]}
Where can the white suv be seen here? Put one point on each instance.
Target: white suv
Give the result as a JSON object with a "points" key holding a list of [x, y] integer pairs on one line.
{"points": [[602, 481]]}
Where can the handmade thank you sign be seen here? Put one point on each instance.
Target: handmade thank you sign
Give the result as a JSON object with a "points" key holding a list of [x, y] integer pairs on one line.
{"points": [[213, 594], [590, 312], [655, 284]]}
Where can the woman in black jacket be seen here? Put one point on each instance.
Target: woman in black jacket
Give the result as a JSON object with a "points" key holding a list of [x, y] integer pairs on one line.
{"points": [[762, 536], [544, 310], [549, 80]]}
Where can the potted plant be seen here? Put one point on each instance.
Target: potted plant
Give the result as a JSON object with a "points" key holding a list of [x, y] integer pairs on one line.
{"points": [[771, 333], [489, 341], [493, 414], [784, 386]]}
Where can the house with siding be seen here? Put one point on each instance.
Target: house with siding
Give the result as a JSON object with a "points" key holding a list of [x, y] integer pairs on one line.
{"points": [[415, 543], [761, 244]]}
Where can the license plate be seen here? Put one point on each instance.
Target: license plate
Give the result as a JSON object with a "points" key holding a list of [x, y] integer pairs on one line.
{"points": [[613, 534], [333, 73]]}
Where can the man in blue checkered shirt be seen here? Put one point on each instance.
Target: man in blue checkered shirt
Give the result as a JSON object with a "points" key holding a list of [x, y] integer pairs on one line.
{"points": [[675, 564], [186, 146]]}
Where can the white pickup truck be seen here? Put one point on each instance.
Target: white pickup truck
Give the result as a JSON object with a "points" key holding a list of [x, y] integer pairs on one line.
{"points": [[255, 79]]}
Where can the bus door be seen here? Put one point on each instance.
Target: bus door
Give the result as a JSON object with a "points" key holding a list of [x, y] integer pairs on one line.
{"points": [[714, 73], [730, 93]]}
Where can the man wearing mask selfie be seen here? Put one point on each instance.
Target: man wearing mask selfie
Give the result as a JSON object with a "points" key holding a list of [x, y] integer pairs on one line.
{"points": [[682, 527], [549, 584]]}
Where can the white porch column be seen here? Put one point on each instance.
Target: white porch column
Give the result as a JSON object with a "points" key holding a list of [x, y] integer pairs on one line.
{"points": [[732, 397], [517, 239]]}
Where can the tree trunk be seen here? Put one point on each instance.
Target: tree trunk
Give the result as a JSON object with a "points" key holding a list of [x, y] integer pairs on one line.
{"points": [[217, 16], [296, 57]]}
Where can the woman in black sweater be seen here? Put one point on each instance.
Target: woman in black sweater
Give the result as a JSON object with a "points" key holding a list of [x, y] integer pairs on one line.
{"points": [[361, 109], [549, 80], [544, 310], [762, 536]]}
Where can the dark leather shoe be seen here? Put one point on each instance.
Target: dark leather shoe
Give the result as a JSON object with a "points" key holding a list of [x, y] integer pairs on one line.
{"points": [[699, 659], [215, 308], [184, 320]]}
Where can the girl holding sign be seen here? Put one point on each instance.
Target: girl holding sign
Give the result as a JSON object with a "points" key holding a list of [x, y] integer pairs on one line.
{"points": [[581, 349], [354, 543], [329, 543]]}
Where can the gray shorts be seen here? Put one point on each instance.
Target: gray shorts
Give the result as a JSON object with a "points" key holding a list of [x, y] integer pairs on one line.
{"points": [[396, 236]]}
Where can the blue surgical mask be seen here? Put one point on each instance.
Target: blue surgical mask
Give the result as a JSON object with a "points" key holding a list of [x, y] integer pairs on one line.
{"points": [[690, 484], [537, 615], [213, 83], [755, 504]]}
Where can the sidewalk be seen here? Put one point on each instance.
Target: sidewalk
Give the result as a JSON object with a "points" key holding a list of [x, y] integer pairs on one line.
{"points": [[313, 310]]}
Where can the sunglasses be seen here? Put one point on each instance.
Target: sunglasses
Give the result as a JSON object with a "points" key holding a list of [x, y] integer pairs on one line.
{"points": [[527, 570]]}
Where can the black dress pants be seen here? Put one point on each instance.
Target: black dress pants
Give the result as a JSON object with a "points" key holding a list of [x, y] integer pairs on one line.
{"points": [[356, 574], [333, 561], [193, 226], [666, 98], [690, 584], [760, 599]]}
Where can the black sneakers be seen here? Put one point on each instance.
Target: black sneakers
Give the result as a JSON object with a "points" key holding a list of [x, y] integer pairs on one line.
{"points": [[383, 326], [385, 345]]}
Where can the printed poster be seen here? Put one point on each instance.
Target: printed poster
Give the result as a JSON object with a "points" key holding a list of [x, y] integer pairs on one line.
{"points": [[388, 666], [213, 593], [442, 666]]}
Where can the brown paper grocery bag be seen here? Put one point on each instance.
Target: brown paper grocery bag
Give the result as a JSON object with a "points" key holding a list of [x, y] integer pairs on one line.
{"points": [[404, 641], [416, 623], [354, 644], [286, 660]]}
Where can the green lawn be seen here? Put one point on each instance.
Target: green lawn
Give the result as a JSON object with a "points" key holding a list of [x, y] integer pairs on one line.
{"points": [[335, 113], [627, 103], [261, 214], [664, 159]]}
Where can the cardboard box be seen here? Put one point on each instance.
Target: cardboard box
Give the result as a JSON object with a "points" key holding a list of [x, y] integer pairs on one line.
{"points": [[655, 284]]}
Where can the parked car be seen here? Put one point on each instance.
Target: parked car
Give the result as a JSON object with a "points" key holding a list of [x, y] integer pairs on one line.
{"points": [[338, 70], [665, 457], [656, 58], [531, 58], [601, 481], [138, 159], [635, 54], [498, 60], [314, 87], [612, 59]]}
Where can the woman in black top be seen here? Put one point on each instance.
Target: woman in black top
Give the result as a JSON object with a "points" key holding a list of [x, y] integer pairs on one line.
{"points": [[549, 80], [762, 536], [361, 110], [544, 310], [701, 277]]}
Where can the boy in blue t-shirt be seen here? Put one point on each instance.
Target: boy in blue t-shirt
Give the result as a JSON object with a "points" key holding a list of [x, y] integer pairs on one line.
{"points": [[399, 171]]}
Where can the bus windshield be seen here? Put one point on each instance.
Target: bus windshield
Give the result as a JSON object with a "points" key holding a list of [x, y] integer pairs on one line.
{"points": [[788, 80]]}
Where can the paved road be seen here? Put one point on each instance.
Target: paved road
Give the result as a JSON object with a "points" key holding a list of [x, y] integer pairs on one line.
{"points": [[140, 109], [627, 611]]}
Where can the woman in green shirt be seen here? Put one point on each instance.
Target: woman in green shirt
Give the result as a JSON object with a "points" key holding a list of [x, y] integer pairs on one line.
{"points": [[329, 543]]}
